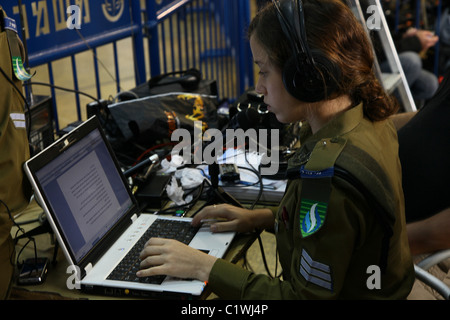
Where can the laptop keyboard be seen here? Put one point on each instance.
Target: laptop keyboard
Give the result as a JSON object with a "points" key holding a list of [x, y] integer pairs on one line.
{"points": [[126, 270]]}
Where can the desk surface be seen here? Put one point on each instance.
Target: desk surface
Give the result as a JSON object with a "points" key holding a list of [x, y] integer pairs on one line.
{"points": [[55, 285]]}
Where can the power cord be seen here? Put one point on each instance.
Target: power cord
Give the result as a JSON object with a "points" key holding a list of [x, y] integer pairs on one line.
{"points": [[260, 242], [19, 229], [61, 88]]}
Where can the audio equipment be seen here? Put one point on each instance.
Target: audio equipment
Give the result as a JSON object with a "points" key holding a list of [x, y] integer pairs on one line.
{"points": [[188, 79], [42, 133], [309, 75]]}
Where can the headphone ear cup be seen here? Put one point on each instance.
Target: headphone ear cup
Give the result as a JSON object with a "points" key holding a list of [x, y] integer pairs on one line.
{"points": [[289, 74], [191, 79], [296, 82], [308, 83], [330, 73]]}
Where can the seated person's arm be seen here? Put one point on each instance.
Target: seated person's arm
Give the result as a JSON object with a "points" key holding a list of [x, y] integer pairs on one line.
{"points": [[231, 218]]}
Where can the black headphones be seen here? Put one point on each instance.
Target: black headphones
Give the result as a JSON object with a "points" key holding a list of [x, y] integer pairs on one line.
{"points": [[188, 79], [308, 75]]}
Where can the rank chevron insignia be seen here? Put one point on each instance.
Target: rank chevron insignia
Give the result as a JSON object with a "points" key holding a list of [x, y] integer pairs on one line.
{"points": [[312, 216]]}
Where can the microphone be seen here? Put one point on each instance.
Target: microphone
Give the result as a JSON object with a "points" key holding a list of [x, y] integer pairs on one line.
{"points": [[152, 160], [245, 119]]}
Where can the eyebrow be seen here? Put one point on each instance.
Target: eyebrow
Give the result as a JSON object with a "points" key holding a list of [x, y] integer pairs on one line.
{"points": [[260, 63]]}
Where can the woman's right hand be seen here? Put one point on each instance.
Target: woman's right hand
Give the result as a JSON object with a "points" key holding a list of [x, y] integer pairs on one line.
{"points": [[225, 217]]}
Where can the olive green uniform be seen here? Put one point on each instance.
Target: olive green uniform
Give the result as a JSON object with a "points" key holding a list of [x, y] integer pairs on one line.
{"points": [[343, 257], [14, 151]]}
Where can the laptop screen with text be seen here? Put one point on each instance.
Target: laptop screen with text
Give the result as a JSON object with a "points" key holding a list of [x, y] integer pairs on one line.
{"points": [[85, 191]]}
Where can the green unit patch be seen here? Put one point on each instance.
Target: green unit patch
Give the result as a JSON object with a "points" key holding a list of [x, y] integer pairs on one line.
{"points": [[19, 69], [312, 216]]}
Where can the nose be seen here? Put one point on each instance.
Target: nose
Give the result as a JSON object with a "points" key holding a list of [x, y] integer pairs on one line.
{"points": [[260, 89]]}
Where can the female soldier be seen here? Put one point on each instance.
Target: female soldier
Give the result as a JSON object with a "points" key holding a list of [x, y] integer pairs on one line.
{"points": [[340, 227]]}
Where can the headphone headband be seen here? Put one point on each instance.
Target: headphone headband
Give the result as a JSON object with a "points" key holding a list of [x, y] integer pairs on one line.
{"points": [[297, 32], [309, 75]]}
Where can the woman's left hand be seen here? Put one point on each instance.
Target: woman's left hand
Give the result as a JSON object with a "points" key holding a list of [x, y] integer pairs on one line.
{"points": [[173, 258]]}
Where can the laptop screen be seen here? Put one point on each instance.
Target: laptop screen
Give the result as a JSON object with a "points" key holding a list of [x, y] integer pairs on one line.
{"points": [[85, 191]]}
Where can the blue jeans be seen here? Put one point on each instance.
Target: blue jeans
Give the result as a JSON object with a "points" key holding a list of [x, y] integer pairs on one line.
{"points": [[422, 83]]}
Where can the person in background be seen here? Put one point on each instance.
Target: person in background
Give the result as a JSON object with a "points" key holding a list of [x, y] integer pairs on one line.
{"points": [[412, 45], [15, 192], [422, 83], [424, 139]]}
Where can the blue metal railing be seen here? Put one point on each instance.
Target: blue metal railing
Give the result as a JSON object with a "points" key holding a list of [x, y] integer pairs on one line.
{"points": [[102, 22], [205, 34], [210, 35]]}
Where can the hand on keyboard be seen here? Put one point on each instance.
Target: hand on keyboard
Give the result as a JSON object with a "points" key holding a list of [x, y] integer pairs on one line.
{"points": [[173, 258], [126, 270]]}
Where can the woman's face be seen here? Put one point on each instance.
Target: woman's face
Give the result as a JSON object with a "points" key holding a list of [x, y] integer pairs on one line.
{"points": [[286, 108]]}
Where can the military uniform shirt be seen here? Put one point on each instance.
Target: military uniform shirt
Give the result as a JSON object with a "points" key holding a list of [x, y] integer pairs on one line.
{"points": [[341, 259], [15, 192]]}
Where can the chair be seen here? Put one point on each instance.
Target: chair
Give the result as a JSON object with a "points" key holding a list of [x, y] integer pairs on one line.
{"points": [[421, 270]]}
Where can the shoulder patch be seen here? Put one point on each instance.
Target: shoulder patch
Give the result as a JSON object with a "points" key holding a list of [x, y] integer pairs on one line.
{"points": [[316, 185], [312, 216]]}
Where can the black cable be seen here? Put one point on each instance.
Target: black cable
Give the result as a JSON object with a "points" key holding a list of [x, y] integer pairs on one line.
{"points": [[97, 59], [19, 229], [261, 246], [30, 239], [261, 188], [12, 219], [216, 192], [266, 266], [258, 174], [61, 88]]}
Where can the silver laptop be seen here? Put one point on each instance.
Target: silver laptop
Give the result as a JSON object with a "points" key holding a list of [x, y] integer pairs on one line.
{"points": [[97, 222]]}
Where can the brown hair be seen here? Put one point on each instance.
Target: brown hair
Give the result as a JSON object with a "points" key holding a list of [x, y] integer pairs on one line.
{"points": [[332, 28]]}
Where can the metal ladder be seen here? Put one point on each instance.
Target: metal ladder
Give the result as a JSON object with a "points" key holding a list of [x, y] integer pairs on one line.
{"points": [[395, 80]]}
